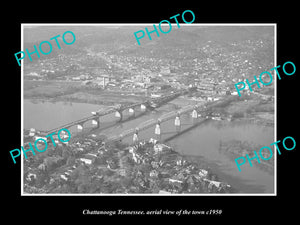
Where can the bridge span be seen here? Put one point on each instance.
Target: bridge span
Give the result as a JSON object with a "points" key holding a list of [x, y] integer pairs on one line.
{"points": [[118, 110], [197, 111]]}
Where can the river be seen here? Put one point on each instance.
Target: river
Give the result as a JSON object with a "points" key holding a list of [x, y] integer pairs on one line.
{"points": [[201, 142]]}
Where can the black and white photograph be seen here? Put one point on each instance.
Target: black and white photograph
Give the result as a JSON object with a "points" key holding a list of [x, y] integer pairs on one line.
{"points": [[148, 112]]}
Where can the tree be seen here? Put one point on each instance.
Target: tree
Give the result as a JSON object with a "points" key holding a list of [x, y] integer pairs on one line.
{"points": [[65, 153], [71, 160]]}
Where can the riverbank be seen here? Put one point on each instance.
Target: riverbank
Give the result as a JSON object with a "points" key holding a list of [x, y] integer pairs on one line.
{"points": [[250, 109], [67, 91]]}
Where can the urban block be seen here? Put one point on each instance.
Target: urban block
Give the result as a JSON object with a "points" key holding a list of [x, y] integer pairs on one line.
{"points": [[262, 156], [23, 54], [41, 139], [268, 74], [159, 26]]}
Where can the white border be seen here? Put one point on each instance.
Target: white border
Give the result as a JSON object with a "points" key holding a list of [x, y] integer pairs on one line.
{"points": [[148, 24]]}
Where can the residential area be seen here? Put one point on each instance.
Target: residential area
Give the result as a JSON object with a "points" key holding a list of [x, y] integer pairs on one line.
{"points": [[213, 75]]}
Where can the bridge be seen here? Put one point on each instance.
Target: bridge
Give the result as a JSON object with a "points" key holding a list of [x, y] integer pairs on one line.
{"points": [[198, 113], [118, 110]]}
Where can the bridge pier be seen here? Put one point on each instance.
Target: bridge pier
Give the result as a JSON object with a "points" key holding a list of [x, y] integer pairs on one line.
{"points": [[157, 131], [194, 115], [96, 122], [119, 115], [80, 127], [177, 123], [131, 112], [135, 138], [143, 108]]}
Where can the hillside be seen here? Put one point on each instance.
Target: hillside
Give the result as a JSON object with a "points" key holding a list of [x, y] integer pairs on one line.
{"points": [[106, 38]]}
